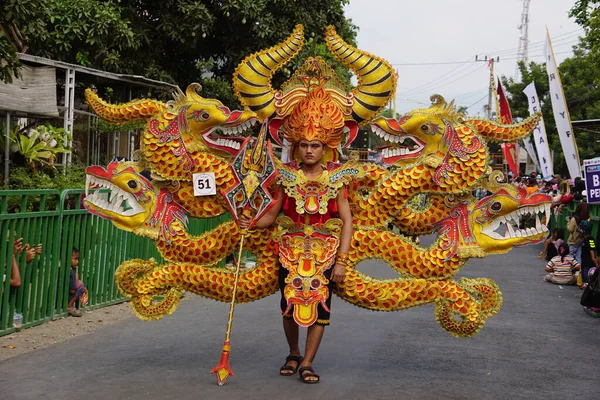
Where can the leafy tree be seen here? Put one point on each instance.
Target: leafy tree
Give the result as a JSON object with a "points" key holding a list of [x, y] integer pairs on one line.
{"points": [[87, 32], [26, 16], [180, 41]]}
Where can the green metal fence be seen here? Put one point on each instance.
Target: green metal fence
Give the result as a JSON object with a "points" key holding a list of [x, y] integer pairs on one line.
{"points": [[60, 223]]}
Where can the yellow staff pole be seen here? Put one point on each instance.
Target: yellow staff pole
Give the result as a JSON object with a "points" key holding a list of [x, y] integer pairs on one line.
{"points": [[223, 371]]}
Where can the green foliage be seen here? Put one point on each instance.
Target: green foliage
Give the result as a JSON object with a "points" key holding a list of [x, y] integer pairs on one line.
{"points": [[87, 32], [105, 128], [41, 145], [21, 178], [179, 41], [29, 17], [584, 11], [72, 178], [9, 62], [14, 133]]}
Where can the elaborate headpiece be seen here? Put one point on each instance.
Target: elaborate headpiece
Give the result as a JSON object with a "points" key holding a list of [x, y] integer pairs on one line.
{"points": [[314, 103]]}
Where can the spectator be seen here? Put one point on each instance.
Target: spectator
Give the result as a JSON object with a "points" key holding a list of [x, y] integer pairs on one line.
{"points": [[531, 186], [575, 240], [30, 253], [564, 186], [77, 290], [588, 250], [579, 189], [552, 244], [562, 267]]}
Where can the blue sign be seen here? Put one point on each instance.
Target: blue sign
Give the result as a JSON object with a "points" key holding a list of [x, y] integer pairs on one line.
{"points": [[591, 170]]}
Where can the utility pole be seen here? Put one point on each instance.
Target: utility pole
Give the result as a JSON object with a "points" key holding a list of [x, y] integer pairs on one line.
{"points": [[492, 88], [522, 53]]}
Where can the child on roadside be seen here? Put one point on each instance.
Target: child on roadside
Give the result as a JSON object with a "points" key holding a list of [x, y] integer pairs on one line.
{"points": [[76, 288], [552, 244], [562, 267], [588, 250]]}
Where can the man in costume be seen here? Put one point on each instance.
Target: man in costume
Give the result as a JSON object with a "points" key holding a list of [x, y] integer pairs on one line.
{"points": [[315, 231]]}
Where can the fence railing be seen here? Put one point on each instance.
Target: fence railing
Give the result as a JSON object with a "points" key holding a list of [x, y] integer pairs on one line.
{"points": [[60, 223]]}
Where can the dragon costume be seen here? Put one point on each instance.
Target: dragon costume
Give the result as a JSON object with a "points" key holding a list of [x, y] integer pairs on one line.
{"points": [[435, 158]]}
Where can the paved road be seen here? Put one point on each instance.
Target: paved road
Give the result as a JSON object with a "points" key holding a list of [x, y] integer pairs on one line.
{"points": [[541, 345]]}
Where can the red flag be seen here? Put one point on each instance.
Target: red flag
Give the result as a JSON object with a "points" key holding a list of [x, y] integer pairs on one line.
{"points": [[510, 150]]}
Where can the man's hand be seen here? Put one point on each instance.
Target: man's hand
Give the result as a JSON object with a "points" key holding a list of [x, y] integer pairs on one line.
{"points": [[17, 246], [339, 273], [244, 221]]}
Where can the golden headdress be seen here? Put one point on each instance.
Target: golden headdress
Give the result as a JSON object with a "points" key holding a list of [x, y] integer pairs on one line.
{"points": [[314, 103]]}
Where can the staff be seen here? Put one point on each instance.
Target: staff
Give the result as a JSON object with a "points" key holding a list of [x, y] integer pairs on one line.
{"points": [[250, 194]]}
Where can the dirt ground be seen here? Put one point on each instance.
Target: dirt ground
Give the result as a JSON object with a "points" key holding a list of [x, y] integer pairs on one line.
{"points": [[61, 330]]}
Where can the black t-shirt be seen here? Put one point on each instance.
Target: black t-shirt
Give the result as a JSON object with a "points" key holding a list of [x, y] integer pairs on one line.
{"points": [[586, 257]]}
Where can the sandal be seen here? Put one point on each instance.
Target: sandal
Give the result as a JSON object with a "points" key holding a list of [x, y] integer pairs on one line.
{"points": [[308, 372], [75, 313], [289, 370]]}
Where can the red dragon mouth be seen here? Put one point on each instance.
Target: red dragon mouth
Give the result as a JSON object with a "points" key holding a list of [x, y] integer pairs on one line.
{"points": [[403, 147], [225, 137]]}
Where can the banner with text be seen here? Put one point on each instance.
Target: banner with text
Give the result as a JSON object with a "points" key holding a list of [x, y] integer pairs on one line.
{"points": [[561, 113], [539, 133], [528, 144], [591, 169]]}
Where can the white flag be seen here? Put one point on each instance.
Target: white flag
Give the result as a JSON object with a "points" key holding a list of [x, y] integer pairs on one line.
{"points": [[528, 144], [539, 133], [561, 113]]}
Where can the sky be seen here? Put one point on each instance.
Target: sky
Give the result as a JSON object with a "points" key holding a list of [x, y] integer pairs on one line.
{"points": [[433, 43]]}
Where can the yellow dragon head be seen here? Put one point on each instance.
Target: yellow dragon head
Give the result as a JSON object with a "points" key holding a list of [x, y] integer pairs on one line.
{"points": [[122, 195], [495, 224], [439, 130], [188, 123]]}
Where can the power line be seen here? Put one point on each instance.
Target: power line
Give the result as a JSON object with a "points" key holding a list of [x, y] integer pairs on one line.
{"points": [[470, 93], [471, 62], [454, 70], [478, 101], [554, 38], [532, 46], [432, 63], [447, 82], [538, 55]]}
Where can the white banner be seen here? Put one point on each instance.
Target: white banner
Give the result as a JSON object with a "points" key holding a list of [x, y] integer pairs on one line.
{"points": [[561, 113], [539, 133], [528, 145]]}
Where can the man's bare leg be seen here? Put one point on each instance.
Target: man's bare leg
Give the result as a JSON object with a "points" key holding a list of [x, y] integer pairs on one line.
{"points": [[291, 329], [313, 340]]}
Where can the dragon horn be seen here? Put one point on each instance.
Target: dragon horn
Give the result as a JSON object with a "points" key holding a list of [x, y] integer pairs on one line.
{"points": [[376, 78], [252, 77], [497, 132], [136, 110]]}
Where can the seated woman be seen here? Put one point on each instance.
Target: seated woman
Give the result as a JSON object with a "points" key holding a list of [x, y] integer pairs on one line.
{"points": [[561, 269]]}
